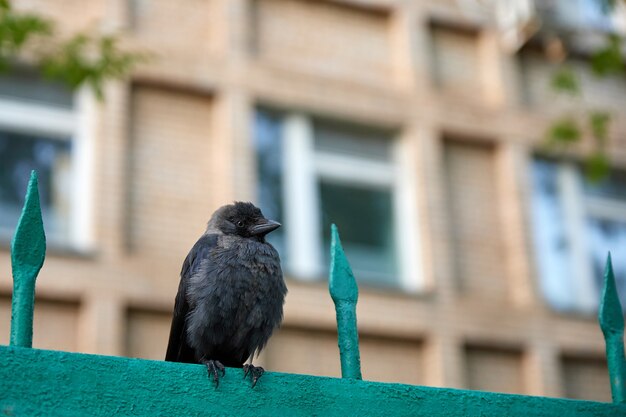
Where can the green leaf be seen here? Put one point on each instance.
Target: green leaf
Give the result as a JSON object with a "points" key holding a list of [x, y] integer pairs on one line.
{"points": [[564, 131], [597, 167], [608, 59], [16, 30], [599, 122], [91, 60], [566, 81], [84, 58]]}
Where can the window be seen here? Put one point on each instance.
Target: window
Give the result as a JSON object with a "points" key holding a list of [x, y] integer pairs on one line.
{"points": [[316, 172], [576, 224], [39, 129], [584, 15]]}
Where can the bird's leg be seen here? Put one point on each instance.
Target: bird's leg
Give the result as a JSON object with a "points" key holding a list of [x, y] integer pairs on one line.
{"points": [[254, 371], [215, 368]]}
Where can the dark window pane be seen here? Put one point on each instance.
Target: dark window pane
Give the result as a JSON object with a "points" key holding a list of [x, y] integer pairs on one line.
{"points": [[351, 140], [551, 242], [608, 235], [576, 14], [364, 218], [614, 186], [21, 153], [26, 85], [267, 134]]}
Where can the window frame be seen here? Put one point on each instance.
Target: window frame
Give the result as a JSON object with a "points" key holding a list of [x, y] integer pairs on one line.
{"points": [[303, 166], [577, 208], [571, 192], [77, 126]]}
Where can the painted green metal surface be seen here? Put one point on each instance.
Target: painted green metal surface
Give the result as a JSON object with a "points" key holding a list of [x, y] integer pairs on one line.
{"points": [[610, 316], [345, 293], [46, 383], [28, 250]]}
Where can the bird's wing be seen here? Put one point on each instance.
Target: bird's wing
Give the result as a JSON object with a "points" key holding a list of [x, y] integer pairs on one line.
{"points": [[178, 350]]}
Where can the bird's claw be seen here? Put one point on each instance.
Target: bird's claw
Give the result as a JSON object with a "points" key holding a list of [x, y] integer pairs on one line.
{"points": [[254, 371], [215, 368]]}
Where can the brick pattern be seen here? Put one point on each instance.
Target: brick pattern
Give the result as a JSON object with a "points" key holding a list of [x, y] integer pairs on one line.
{"points": [[323, 38], [586, 378], [170, 172], [456, 61], [301, 351], [149, 20], [475, 222], [147, 332], [91, 14], [392, 360], [492, 369]]}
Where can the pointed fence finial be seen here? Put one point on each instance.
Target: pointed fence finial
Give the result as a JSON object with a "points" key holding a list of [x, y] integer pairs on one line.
{"points": [[345, 293], [611, 318], [28, 250]]}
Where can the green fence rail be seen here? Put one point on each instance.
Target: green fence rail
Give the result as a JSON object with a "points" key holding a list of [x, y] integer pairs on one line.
{"points": [[37, 382]]}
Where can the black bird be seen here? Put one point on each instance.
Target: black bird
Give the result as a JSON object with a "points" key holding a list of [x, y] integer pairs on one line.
{"points": [[231, 294]]}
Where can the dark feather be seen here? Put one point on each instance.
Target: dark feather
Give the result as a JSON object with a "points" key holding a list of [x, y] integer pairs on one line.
{"points": [[178, 349]]}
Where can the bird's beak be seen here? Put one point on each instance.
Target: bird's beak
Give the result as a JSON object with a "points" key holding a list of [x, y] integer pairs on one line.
{"points": [[263, 227]]}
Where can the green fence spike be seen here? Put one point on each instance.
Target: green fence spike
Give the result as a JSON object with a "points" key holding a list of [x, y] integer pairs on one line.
{"points": [[345, 293], [28, 250], [611, 320]]}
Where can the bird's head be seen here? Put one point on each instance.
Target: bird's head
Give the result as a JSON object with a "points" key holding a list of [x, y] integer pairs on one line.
{"points": [[241, 219]]}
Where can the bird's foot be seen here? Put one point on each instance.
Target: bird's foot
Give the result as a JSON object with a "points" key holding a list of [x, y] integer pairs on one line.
{"points": [[215, 370], [254, 371]]}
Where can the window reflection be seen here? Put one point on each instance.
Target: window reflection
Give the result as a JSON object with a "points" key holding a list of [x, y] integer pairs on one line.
{"points": [[613, 186], [551, 242], [366, 229], [568, 237], [267, 133], [21, 153]]}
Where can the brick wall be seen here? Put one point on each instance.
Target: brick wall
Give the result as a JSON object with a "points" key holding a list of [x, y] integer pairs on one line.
{"points": [[585, 378], [494, 369], [475, 224], [170, 171], [456, 61], [323, 38]]}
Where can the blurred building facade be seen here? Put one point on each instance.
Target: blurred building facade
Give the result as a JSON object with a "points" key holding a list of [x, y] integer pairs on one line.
{"points": [[407, 123]]}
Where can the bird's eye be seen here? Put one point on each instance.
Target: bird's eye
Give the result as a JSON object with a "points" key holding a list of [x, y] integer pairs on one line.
{"points": [[240, 223]]}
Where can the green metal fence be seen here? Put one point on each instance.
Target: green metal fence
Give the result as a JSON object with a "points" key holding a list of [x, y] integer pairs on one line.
{"points": [[37, 382]]}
